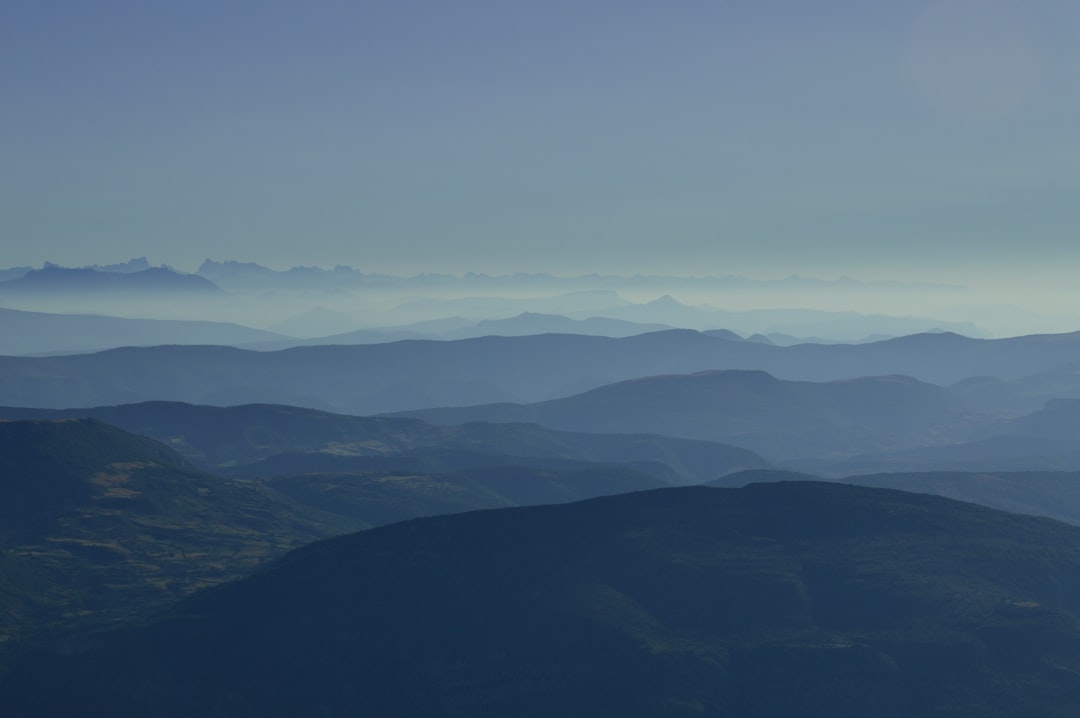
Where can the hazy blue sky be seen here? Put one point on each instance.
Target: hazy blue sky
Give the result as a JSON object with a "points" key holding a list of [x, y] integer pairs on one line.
{"points": [[881, 139]]}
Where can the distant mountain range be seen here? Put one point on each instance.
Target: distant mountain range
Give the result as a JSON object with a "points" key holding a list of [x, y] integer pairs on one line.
{"points": [[524, 324], [408, 375], [28, 333], [53, 279], [773, 600], [248, 275], [788, 326], [295, 302]]}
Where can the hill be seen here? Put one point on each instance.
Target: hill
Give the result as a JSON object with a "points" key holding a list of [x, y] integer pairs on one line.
{"points": [[98, 525], [23, 332], [1044, 440], [772, 600], [101, 525], [398, 376], [524, 324], [228, 438], [781, 419]]}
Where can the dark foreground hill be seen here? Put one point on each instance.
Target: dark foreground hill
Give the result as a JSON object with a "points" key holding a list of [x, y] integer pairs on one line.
{"points": [[802, 598], [99, 525]]}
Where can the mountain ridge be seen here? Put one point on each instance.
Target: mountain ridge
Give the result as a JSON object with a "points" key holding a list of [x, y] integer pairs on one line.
{"points": [[227, 438], [404, 375], [776, 599]]}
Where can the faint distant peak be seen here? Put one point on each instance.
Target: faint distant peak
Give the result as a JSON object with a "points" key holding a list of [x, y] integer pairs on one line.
{"points": [[137, 264], [665, 302], [211, 268], [55, 278], [723, 334]]}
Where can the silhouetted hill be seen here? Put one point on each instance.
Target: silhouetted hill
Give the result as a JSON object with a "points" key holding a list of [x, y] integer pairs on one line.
{"points": [[220, 438], [528, 323], [111, 524], [524, 324], [773, 600], [798, 324], [398, 376], [43, 333], [99, 525], [782, 419], [758, 476]]}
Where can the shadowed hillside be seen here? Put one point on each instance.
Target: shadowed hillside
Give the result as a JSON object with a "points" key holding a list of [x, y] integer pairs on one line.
{"points": [[105, 525], [774, 600], [98, 525]]}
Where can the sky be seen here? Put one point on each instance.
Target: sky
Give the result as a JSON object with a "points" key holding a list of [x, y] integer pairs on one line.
{"points": [[905, 140]]}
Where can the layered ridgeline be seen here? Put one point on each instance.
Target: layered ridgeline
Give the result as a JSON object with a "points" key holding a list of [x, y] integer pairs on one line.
{"points": [[420, 374], [1045, 440], [871, 424], [838, 428], [98, 525], [267, 440], [56, 280], [23, 332], [773, 600], [783, 419]]}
